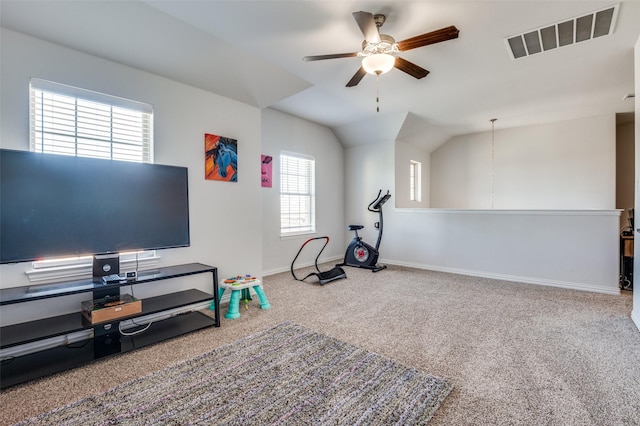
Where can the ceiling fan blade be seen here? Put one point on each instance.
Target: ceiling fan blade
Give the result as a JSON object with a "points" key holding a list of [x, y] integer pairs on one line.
{"points": [[368, 26], [433, 37], [334, 56], [410, 68], [359, 75]]}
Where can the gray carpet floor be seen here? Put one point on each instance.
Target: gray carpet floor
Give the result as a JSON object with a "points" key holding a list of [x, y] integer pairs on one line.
{"points": [[516, 354]]}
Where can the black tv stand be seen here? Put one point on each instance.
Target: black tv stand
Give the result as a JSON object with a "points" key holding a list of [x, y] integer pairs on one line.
{"points": [[106, 338]]}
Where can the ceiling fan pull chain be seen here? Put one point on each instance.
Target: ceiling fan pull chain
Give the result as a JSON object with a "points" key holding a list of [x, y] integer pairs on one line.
{"points": [[377, 92]]}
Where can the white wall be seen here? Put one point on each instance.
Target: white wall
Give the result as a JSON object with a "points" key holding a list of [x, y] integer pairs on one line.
{"points": [[404, 154], [369, 169], [283, 132], [563, 165], [572, 249], [225, 217], [461, 173]]}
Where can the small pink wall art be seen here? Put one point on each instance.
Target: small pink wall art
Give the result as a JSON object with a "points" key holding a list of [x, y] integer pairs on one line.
{"points": [[266, 170]]}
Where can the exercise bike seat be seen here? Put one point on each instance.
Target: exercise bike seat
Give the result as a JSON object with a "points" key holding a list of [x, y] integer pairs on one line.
{"points": [[355, 227]]}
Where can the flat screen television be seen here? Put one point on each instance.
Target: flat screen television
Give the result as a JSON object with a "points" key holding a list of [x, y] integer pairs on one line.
{"points": [[58, 205]]}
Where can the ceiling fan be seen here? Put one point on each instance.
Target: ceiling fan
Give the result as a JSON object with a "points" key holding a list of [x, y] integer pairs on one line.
{"points": [[379, 50]]}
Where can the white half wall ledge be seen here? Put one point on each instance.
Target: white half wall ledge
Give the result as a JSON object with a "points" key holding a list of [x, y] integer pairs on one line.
{"points": [[574, 249], [594, 212], [510, 278]]}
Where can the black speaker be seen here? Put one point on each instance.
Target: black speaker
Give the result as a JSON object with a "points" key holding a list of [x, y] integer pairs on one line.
{"points": [[106, 340], [106, 264]]}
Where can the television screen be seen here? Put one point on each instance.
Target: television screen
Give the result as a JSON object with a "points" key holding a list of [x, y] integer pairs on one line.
{"points": [[57, 205]]}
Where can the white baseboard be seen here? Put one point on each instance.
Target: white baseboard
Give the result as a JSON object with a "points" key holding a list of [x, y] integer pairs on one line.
{"points": [[514, 278], [635, 317]]}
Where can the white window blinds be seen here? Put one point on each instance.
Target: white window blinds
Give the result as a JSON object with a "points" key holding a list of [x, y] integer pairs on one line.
{"points": [[72, 121], [297, 194]]}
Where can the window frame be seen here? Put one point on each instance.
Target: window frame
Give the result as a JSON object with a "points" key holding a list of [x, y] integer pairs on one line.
{"points": [[415, 181], [54, 269], [309, 227], [76, 125]]}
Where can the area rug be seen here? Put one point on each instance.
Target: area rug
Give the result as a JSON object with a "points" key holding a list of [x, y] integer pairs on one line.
{"points": [[286, 375]]}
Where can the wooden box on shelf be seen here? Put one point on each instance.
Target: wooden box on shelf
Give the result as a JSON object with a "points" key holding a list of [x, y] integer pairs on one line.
{"points": [[110, 308], [627, 245]]}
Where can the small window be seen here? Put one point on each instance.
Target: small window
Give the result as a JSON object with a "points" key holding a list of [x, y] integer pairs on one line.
{"points": [[72, 121], [414, 181], [297, 194]]}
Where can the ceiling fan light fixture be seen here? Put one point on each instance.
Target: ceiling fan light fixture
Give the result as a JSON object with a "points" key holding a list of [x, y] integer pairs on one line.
{"points": [[378, 63]]}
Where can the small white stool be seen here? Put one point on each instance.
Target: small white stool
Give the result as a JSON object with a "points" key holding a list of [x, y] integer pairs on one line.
{"points": [[237, 290]]}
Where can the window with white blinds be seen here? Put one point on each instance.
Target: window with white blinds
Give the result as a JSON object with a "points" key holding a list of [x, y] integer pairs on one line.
{"points": [[73, 121], [415, 192], [297, 194]]}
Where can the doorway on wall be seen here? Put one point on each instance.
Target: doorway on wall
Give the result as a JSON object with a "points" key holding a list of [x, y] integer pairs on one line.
{"points": [[625, 193]]}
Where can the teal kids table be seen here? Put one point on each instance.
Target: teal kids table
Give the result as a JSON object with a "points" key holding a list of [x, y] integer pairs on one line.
{"points": [[240, 289]]}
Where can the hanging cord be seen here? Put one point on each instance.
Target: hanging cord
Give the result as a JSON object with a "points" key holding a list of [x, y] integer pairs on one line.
{"points": [[145, 326], [377, 91], [133, 333], [493, 121]]}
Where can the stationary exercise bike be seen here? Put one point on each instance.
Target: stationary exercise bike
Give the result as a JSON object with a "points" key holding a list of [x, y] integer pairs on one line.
{"points": [[360, 254]]}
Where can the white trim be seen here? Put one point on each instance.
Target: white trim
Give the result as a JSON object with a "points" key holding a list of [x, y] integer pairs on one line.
{"points": [[513, 278], [415, 181], [73, 121], [298, 235], [90, 95], [298, 155], [286, 174], [515, 212], [635, 317]]}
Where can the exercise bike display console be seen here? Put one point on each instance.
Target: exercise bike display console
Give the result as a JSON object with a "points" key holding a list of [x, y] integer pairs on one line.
{"points": [[360, 254]]}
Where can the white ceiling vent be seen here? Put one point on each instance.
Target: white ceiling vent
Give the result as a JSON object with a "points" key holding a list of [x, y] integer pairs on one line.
{"points": [[575, 30]]}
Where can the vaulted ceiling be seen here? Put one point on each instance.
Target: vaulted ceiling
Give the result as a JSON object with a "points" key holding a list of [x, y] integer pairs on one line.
{"points": [[252, 51]]}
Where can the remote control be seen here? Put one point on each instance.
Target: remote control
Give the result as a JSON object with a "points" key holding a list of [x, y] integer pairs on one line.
{"points": [[113, 278]]}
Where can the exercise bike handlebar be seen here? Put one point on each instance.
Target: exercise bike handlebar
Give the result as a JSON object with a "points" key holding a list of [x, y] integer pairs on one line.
{"points": [[376, 205]]}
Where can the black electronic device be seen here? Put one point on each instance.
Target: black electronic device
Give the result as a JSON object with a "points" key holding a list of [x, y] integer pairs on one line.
{"points": [[59, 205], [106, 264], [113, 278], [106, 339], [359, 253]]}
